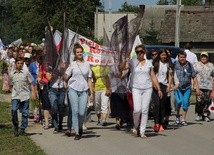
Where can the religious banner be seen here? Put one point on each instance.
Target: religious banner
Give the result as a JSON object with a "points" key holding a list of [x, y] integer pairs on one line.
{"points": [[97, 54]]}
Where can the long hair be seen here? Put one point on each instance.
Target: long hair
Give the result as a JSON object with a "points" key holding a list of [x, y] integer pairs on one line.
{"points": [[156, 62], [76, 46]]}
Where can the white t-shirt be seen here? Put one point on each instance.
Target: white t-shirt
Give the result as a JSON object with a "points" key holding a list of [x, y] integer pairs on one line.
{"points": [[162, 73], [140, 75], [58, 83], [78, 80], [191, 57]]}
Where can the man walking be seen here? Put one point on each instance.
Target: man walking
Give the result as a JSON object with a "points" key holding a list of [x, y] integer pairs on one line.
{"points": [[185, 72], [21, 80]]}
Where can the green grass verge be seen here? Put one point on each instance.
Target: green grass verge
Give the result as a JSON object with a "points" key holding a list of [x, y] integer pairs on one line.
{"points": [[10, 145]]}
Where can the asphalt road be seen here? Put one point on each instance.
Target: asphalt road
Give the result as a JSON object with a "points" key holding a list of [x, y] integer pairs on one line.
{"points": [[195, 139]]}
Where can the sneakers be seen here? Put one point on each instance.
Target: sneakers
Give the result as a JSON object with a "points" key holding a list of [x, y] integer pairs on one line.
{"points": [[207, 119], [99, 123], [56, 131], [46, 126], [16, 132], [84, 127], [184, 123], [156, 128], [22, 132], [103, 123], [198, 118], [177, 120]]}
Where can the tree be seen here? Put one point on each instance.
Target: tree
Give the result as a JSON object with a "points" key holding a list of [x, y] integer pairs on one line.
{"points": [[150, 38], [27, 19], [163, 2], [129, 8]]}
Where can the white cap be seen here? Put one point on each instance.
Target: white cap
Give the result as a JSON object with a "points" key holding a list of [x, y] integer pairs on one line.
{"points": [[27, 55]]}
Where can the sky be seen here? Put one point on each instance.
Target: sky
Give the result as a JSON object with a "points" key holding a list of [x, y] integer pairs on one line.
{"points": [[116, 4]]}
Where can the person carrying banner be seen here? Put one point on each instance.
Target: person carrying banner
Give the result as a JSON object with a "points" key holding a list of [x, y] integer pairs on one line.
{"points": [[56, 94], [141, 80]]}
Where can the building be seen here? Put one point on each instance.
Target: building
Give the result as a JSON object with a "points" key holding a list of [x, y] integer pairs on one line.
{"points": [[196, 27], [152, 12], [196, 24]]}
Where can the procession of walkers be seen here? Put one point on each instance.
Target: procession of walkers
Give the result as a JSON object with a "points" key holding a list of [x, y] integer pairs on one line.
{"points": [[127, 91]]}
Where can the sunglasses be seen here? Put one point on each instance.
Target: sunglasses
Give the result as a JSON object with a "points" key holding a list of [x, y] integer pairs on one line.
{"points": [[140, 51], [154, 54]]}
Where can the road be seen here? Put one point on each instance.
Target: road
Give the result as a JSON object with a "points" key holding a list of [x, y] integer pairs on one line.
{"points": [[197, 138]]}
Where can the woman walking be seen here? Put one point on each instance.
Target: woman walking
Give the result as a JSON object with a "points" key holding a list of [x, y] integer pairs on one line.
{"points": [[80, 81], [163, 70], [142, 77], [205, 74]]}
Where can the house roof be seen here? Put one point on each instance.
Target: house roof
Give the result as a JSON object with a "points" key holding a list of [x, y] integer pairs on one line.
{"points": [[195, 26]]}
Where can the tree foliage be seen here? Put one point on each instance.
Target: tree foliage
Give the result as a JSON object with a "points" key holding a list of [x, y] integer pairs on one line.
{"points": [[27, 19], [129, 8], [150, 38]]}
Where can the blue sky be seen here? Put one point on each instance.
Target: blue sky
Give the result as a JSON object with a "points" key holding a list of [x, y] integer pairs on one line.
{"points": [[116, 4]]}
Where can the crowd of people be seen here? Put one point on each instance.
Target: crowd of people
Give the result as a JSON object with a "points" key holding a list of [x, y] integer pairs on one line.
{"points": [[128, 91]]}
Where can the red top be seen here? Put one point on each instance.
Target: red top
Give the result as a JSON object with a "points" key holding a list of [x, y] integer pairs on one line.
{"points": [[43, 71]]}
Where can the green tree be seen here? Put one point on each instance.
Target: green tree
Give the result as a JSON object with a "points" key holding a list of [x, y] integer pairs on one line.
{"points": [[27, 18], [129, 8], [150, 37], [163, 2]]}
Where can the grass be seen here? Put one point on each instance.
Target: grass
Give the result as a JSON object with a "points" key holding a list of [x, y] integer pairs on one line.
{"points": [[10, 145]]}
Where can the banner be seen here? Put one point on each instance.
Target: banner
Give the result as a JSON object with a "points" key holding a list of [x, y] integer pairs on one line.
{"points": [[137, 41], [17, 42], [97, 54], [1, 44], [57, 39]]}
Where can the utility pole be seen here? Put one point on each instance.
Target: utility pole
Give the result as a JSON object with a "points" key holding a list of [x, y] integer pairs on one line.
{"points": [[177, 24]]}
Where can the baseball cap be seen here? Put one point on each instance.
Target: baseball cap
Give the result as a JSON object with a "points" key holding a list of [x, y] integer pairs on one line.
{"points": [[27, 55], [204, 53]]}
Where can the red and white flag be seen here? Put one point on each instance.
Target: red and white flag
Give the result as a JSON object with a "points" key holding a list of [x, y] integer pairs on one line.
{"points": [[57, 39]]}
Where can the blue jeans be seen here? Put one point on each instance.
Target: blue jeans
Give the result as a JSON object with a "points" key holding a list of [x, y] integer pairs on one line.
{"points": [[182, 98], [69, 118], [56, 98], [78, 101], [24, 108]]}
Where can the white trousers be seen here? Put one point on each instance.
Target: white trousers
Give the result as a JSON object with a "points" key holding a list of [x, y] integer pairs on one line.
{"points": [[141, 99], [101, 102]]}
